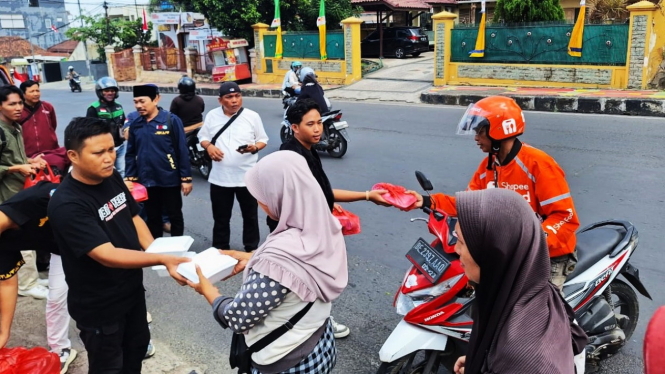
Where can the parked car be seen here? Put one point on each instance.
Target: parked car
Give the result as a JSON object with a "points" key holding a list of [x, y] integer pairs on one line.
{"points": [[397, 41]]}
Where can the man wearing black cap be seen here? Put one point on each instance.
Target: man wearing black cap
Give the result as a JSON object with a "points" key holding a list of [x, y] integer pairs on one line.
{"points": [[232, 136], [157, 157]]}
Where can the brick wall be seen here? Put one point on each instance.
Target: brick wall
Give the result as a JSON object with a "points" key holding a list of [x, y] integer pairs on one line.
{"points": [[538, 74]]}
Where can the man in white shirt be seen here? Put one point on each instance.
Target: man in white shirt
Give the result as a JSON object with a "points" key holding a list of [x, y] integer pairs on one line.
{"points": [[234, 152]]}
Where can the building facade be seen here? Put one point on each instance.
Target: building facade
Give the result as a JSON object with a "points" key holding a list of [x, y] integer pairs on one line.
{"points": [[34, 20]]}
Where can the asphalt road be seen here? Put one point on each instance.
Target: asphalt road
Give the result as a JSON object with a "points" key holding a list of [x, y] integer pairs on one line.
{"points": [[614, 167]]}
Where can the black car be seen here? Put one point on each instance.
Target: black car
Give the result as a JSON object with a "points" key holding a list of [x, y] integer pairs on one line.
{"points": [[397, 41]]}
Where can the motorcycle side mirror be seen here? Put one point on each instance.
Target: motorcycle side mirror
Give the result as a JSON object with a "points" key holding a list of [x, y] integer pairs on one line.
{"points": [[425, 183]]}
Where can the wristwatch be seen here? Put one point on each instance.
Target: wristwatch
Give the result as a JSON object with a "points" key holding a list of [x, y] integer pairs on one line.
{"points": [[257, 150]]}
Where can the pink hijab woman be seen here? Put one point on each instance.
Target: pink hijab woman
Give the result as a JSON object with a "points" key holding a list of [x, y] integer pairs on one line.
{"points": [[299, 270]]}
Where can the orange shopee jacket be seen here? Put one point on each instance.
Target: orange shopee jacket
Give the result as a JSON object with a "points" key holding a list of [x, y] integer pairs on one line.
{"points": [[538, 178]]}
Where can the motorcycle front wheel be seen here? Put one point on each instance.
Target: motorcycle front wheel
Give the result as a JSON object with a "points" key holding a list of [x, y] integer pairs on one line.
{"points": [[420, 362], [285, 134], [341, 144]]}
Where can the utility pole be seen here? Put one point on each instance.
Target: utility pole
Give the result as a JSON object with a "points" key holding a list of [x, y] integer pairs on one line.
{"points": [[85, 42], [136, 6], [108, 31]]}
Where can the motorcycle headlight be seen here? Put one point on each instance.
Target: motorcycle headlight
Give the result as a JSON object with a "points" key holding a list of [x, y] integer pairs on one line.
{"points": [[406, 303]]}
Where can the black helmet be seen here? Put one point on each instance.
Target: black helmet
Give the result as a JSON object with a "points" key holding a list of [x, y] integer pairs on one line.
{"points": [[105, 83], [186, 85]]}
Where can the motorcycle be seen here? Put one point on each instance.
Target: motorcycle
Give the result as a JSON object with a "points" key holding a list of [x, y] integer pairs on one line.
{"points": [[334, 139], [75, 83], [436, 299], [289, 97], [196, 153]]}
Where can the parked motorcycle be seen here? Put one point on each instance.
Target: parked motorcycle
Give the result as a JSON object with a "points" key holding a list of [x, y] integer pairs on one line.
{"points": [[437, 301], [334, 139], [75, 83], [196, 153]]}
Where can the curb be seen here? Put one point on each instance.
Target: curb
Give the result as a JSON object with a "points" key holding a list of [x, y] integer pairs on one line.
{"points": [[207, 91], [595, 105]]}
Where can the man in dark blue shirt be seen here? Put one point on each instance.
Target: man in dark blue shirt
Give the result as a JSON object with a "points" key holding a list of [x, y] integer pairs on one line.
{"points": [[157, 157]]}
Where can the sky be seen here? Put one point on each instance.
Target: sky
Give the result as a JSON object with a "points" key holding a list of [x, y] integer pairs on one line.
{"points": [[92, 7]]}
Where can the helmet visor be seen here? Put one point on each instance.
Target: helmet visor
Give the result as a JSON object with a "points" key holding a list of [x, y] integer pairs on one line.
{"points": [[472, 121]]}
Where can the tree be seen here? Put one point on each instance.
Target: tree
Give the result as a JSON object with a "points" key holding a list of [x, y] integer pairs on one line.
{"points": [[120, 33], [235, 18], [606, 10], [517, 11]]}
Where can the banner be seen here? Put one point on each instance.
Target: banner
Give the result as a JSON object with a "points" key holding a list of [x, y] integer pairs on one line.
{"points": [[479, 51], [321, 24], [575, 44], [276, 22]]}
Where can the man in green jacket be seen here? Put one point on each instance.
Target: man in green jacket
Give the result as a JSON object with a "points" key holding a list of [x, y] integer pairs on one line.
{"points": [[14, 164]]}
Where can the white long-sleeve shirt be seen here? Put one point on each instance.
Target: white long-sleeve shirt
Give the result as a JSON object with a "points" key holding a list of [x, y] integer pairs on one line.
{"points": [[246, 129]]}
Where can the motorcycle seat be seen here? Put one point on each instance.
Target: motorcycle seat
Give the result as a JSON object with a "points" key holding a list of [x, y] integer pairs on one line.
{"points": [[593, 245]]}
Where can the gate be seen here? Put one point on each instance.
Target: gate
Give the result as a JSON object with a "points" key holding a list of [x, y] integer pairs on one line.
{"points": [[123, 65], [164, 59]]}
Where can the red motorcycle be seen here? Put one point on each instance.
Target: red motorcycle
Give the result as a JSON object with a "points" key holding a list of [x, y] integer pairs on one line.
{"points": [[436, 299]]}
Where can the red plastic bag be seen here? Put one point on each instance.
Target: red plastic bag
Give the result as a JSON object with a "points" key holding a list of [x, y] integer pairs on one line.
{"points": [[139, 192], [349, 221], [20, 360], [42, 176], [396, 195]]}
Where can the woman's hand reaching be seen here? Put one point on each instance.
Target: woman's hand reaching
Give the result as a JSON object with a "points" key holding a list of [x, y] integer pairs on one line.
{"points": [[459, 365], [242, 257]]}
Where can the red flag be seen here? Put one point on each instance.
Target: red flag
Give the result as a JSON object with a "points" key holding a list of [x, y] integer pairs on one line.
{"points": [[145, 22], [55, 29]]}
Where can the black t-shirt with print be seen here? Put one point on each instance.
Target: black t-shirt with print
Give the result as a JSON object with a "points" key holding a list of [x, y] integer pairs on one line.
{"points": [[28, 211], [84, 217]]}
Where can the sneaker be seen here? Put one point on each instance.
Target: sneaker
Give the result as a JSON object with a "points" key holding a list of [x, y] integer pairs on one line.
{"points": [[151, 350], [66, 357], [340, 331], [42, 282], [37, 292]]}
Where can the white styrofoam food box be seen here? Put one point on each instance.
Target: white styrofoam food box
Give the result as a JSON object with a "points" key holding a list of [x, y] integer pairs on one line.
{"points": [[161, 269], [214, 266], [176, 245]]}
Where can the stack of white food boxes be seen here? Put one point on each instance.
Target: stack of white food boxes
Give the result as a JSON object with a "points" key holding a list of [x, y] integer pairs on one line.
{"points": [[214, 265]]}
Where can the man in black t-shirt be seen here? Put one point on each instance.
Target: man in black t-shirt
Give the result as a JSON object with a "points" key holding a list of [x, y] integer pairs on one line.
{"points": [[101, 237]]}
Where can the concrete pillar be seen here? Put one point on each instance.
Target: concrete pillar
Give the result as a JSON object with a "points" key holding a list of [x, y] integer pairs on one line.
{"points": [[443, 23], [640, 34], [259, 30], [352, 56], [138, 65], [110, 63], [253, 66], [191, 55]]}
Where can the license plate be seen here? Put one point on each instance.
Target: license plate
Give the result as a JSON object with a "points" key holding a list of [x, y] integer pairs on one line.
{"points": [[428, 260], [423, 39]]}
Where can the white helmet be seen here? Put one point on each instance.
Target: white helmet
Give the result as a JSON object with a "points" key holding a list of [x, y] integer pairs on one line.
{"points": [[70, 67]]}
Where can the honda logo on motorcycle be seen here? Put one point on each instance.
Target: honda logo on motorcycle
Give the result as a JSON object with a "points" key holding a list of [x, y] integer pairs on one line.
{"points": [[433, 316]]}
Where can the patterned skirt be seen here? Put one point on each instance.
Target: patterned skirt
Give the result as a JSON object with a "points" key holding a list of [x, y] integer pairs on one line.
{"points": [[322, 359]]}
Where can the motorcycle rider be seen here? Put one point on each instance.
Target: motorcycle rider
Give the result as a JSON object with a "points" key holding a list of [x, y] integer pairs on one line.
{"points": [[108, 109], [291, 78], [71, 74], [311, 89], [189, 106], [497, 122]]}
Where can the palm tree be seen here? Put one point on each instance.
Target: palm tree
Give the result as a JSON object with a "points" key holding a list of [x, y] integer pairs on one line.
{"points": [[606, 10]]}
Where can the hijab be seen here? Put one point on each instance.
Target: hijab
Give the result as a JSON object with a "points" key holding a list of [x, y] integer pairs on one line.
{"points": [[521, 322], [306, 253]]}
